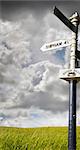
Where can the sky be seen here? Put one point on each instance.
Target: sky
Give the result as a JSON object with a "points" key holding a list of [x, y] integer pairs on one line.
{"points": [[31, 93]]}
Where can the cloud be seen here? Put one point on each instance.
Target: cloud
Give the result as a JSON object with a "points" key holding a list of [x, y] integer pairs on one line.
{"points": [[13, 45], [31, 93], [14, 55], [37, 85], [31, 117]]}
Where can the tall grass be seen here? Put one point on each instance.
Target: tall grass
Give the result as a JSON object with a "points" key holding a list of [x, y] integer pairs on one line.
{"points": [[36, 138]]}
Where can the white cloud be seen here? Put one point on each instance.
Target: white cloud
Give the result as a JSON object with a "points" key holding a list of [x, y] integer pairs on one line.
{"points": [[55, 29], [49, 76], [31, 117], [14, 55]]}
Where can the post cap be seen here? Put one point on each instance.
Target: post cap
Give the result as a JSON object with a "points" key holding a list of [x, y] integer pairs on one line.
{"points": [[75, 15]]}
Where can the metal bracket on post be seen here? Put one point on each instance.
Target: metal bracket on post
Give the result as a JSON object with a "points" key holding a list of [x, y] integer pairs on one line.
{"points": [[69, 74]]}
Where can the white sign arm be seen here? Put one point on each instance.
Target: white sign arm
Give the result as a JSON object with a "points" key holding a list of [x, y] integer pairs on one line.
{"points": [[55, 45]]}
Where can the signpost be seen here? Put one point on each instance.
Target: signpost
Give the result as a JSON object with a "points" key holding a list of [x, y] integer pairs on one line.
{"points": [[72, 75]]}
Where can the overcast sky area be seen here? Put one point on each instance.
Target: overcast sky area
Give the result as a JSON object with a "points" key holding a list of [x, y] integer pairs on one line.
{"points": [[31, 93]]}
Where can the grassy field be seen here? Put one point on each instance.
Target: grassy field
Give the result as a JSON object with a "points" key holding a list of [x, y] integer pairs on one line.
{"points": [[35, 139]]}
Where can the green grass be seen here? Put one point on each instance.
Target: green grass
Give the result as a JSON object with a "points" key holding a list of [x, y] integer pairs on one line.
{"points": [[36, 138]]}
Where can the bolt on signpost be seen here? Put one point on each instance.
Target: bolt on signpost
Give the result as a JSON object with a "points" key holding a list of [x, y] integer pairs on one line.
{"points": [[72, 74]]}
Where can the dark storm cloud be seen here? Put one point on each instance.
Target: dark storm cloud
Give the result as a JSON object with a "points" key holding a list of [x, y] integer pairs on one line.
{"points": [[9, 9], [42, 100], [15, 9]]}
